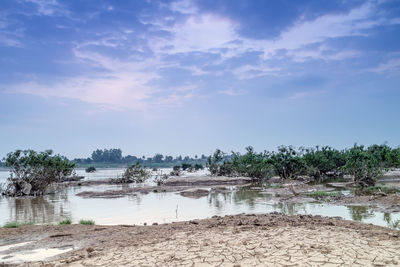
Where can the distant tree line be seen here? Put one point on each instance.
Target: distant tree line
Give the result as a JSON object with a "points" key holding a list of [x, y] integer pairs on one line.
{"points": [[114, 156]]}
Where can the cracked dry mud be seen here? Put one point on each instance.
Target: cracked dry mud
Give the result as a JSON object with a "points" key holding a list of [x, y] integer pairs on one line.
{"points": [[241, 240]]}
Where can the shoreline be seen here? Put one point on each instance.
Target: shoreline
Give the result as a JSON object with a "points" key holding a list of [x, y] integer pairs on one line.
{"points": [[259, 240]]}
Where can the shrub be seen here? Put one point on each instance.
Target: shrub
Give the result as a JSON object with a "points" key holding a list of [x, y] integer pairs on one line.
{"points": [[86, 222], [394, 158], [216, 165], [382, 153], [251, 164], [90, 169], [287, 162], [186, 166], [363, 165], [66, 221], [136, 173], [32, 172], [198, 167], [161, 178], [324, 162], [214, 161]]}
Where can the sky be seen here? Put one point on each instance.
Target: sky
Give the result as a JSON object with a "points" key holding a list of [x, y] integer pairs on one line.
{"points": [[186, 77]]}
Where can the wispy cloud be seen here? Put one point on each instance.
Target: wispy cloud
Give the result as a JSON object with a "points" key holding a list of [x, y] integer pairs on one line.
{"points": [[49, 7], [233, 92], [123, 63], [389, 67]]}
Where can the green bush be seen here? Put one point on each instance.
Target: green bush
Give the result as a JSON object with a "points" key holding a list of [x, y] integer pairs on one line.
{"points": [[287, 162], [186, 166], [198, 167], [86, 222], [136, 173], [251, 164], [32, 172], [323, 162], [90, 169], [66, 221], [214, 162], [363, 165]]}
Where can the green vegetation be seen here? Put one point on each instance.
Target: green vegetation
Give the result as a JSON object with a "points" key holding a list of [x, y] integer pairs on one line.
{"points": [[321, 194], [319, 163], [32, 172], [251, 164], [87, 222], [364, 165], [102, 158], [66, 221], [323, 162], [287, 162], [15, 224], [90, 169], [136, 173], [371, 190]]}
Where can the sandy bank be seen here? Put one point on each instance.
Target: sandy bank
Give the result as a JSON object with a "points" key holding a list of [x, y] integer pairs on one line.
{"points": [[240, 240]]}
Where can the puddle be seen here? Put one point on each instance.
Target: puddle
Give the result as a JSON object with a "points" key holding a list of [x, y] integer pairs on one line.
{"points": [[7, 247], [32, 255]]}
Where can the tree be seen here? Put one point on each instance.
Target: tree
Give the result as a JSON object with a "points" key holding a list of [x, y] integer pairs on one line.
{"points": [[287, 162], [158, 158], [136, 173], [32, 172], [107, 155], [251, 164], [323, 162], [168, 159], [363, 165], [214, 161]]}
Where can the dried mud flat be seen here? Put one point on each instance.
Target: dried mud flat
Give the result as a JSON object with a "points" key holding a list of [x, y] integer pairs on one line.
{"points": [[240, 240]]}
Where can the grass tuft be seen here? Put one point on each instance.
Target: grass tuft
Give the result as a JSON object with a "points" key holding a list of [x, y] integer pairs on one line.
{"points": [[15, 224], [86, 222], [66, 221]]}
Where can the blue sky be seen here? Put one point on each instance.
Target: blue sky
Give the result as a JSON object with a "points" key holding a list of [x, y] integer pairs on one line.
{"points": [[186, 77]]}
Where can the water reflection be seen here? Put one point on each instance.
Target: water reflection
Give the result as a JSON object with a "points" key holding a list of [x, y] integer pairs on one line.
{"points": [[248, 196], [290, 208], [387, 217], [164, 207], [360, 213], [39, 210]]}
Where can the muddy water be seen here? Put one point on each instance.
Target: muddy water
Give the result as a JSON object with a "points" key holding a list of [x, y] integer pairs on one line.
{"points": [[166, 207]]}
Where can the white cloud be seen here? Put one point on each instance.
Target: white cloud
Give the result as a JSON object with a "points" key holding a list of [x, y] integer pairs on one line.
{"points": [[391, 66], [233, 92], [184, 7], [254, 71], [203, 32], [210, 33], [49, 8], [123, 83]]}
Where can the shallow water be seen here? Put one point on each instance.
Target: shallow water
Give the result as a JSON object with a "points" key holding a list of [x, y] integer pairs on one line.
{"points": [[105, 173], [167, 207]]}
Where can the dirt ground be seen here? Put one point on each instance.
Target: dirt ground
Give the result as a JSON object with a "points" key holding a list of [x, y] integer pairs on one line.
{"points": [[240, 240]]}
